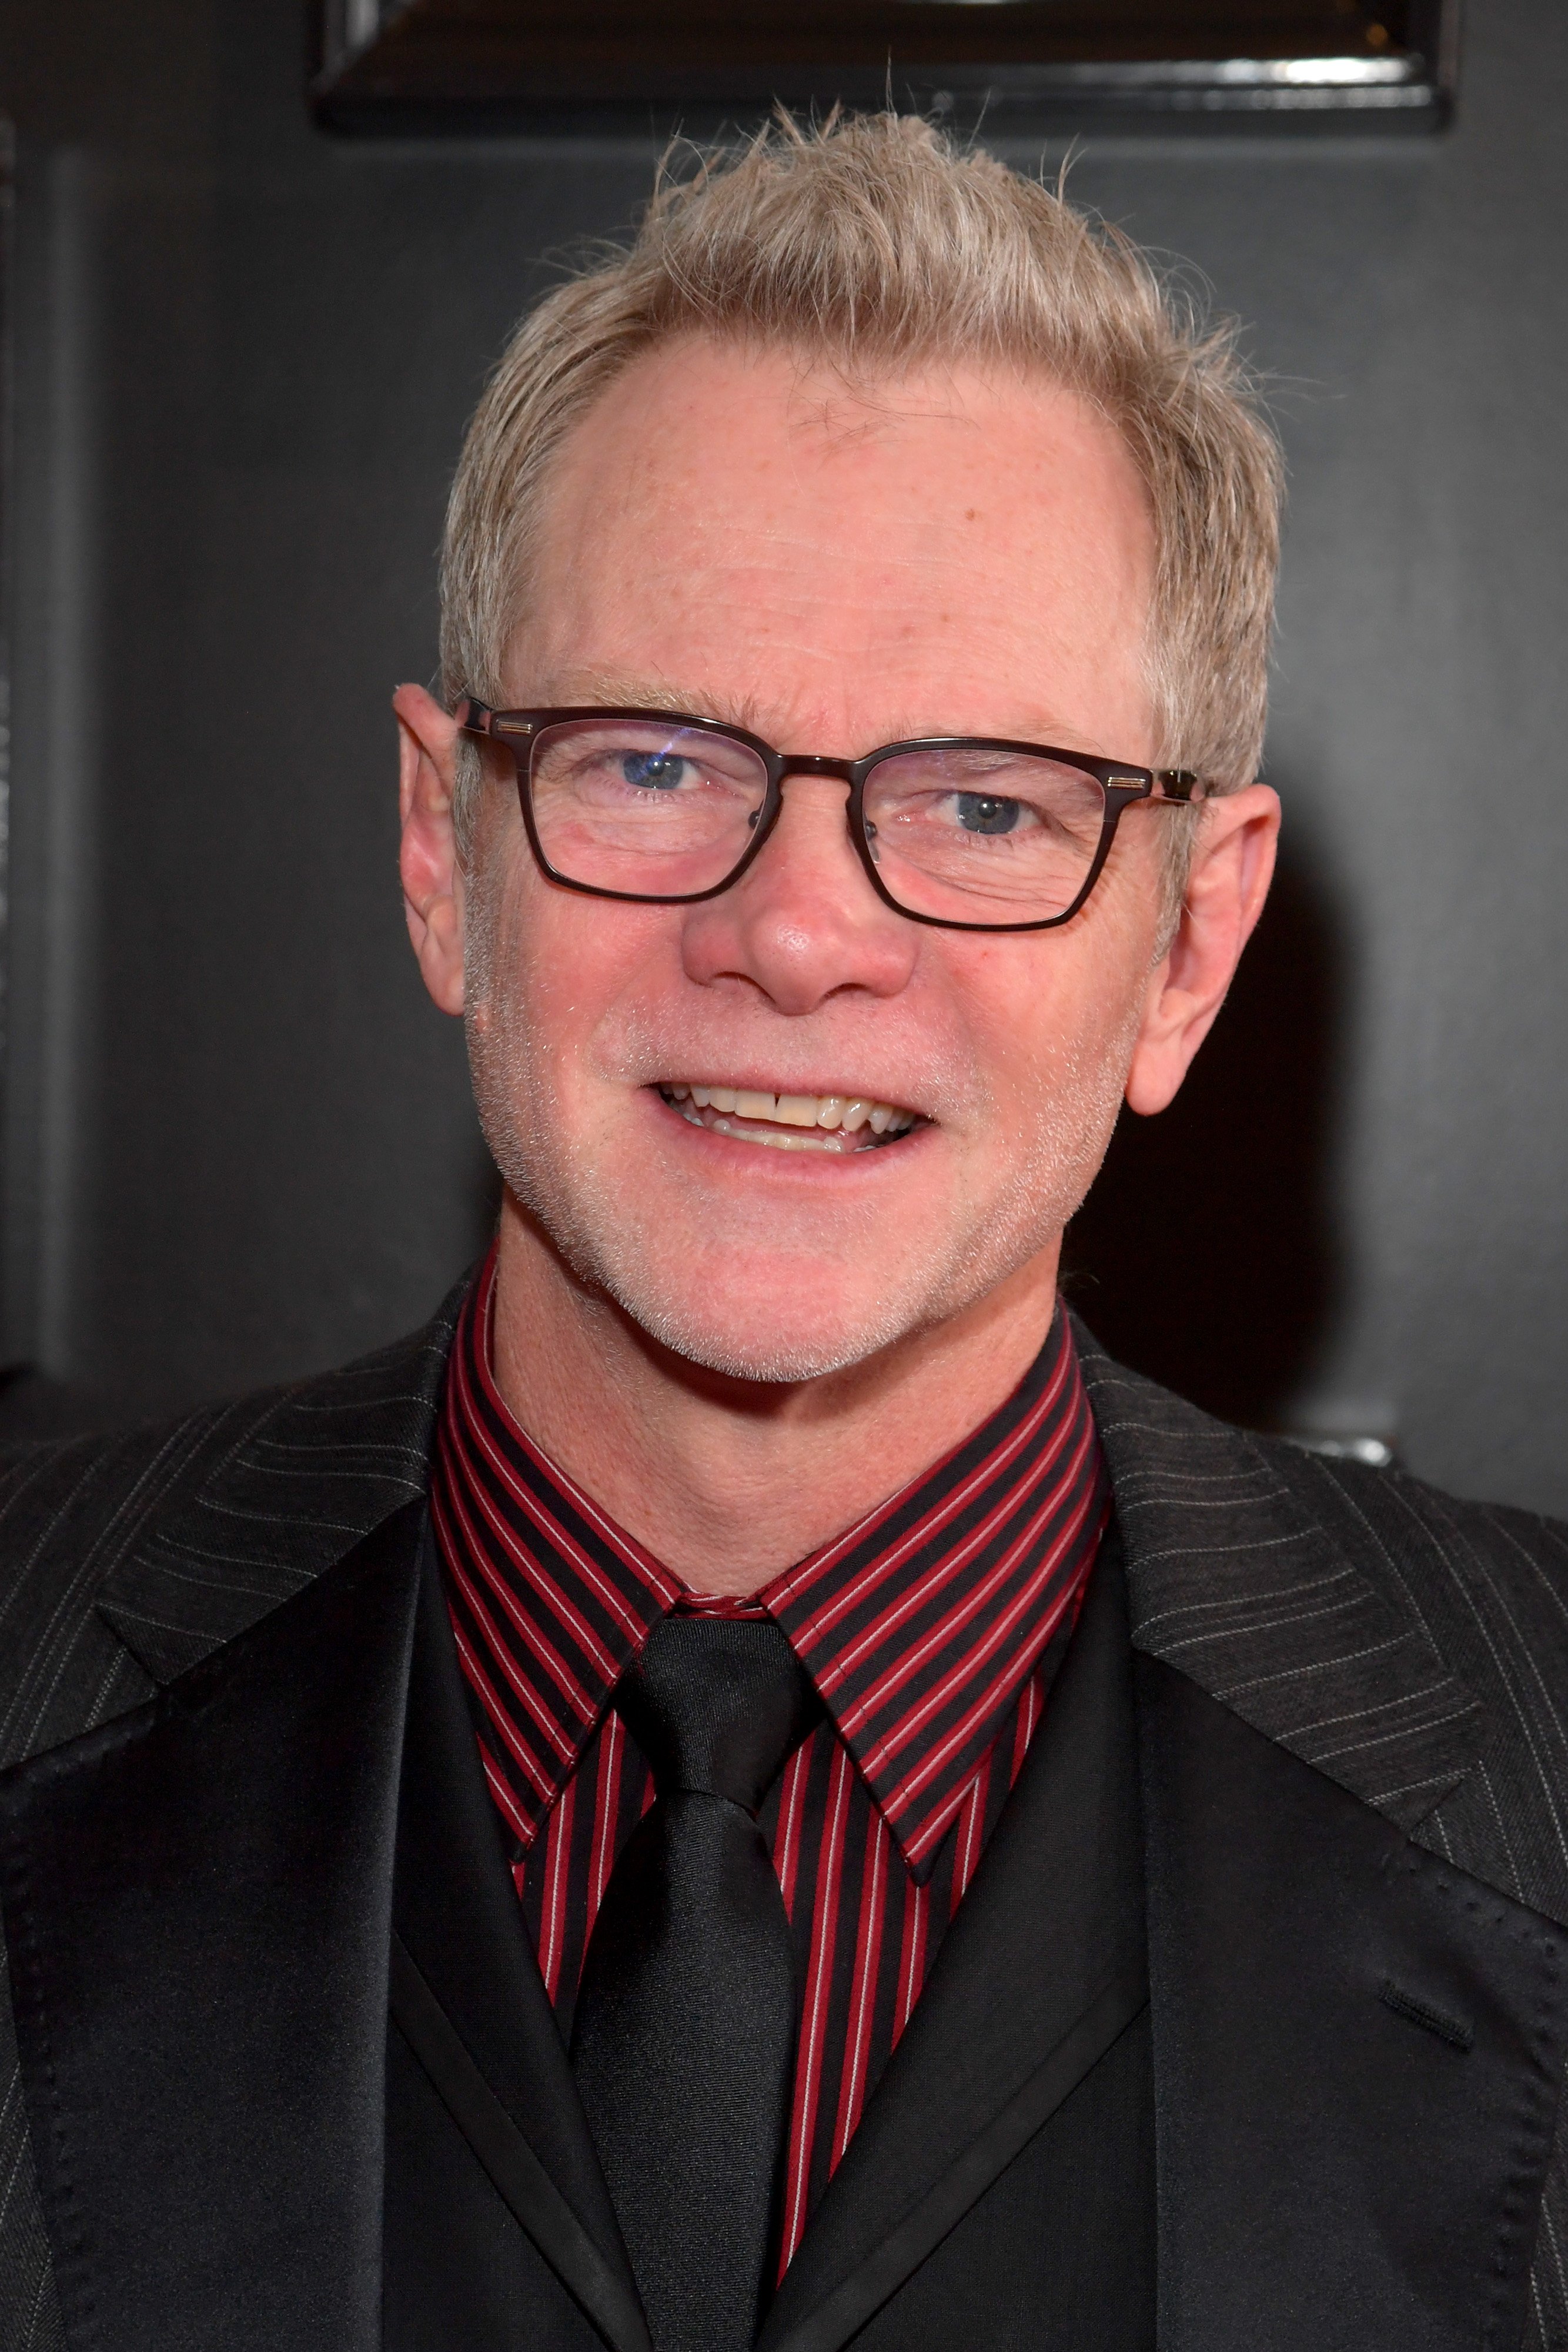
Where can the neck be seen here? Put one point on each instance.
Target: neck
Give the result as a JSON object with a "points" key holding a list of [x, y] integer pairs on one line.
{"points": [[725, 1481]]}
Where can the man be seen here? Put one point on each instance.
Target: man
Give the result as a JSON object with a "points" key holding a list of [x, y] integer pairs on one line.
{"points": [[746, 1785]]}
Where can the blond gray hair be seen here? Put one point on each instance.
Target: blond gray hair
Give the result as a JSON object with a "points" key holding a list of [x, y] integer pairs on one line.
{"points": [[879, 244]]}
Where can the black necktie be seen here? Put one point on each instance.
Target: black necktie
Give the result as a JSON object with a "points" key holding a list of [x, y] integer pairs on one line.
{"points": [[684, 2025]]}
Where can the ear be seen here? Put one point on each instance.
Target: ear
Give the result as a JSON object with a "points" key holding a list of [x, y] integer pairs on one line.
{"points": [[432, 883], [1231, 869]]}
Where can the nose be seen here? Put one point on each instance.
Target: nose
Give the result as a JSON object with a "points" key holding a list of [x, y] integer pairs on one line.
{"points": [[804, 923]]}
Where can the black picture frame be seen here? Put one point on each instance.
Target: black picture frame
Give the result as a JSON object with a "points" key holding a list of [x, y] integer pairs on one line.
{"points": [[488, 65]]}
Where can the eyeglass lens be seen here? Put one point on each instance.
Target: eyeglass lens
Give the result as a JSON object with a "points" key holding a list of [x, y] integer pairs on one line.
{"points": [[656, 811]]}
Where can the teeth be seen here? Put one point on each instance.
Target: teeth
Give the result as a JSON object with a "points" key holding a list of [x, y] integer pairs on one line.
{"points": [[798, 1110], [780, 1142], [834, 1118]]}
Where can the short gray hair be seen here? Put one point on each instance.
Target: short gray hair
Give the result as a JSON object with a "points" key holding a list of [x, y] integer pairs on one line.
{"points": [[881, 245]]}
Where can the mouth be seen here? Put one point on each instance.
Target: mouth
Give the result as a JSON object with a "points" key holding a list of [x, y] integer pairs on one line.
{"points": [[835, 1123]]}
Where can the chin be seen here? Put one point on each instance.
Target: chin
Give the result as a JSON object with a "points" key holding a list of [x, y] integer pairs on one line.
{"points": [[760, 1286], [757, 1332]]}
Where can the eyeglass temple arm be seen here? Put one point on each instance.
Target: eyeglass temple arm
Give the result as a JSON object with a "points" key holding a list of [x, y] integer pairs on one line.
{"points": [[478, 719]]}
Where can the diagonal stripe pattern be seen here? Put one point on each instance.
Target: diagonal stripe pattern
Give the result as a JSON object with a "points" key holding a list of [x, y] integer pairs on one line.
{"points": [[931, 1631]]}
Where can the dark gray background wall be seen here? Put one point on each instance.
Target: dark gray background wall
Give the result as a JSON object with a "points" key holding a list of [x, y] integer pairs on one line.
{"points": [[238, 1141]]}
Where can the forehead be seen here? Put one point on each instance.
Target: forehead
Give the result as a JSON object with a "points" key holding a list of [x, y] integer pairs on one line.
{"points": [[761, 529]]}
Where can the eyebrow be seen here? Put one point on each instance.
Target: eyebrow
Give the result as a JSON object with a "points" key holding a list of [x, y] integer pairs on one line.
{"points": [[619, 689], [616, 689]]}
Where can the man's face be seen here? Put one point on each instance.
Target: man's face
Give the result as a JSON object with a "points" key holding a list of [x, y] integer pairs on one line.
{"points": [[737, 537]]}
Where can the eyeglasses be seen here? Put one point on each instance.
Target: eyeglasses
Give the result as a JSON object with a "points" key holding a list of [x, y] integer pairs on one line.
{"points": [[961, 831]]}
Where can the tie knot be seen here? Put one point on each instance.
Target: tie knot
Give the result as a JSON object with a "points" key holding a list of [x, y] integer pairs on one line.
{"points": [[718, 1703]]}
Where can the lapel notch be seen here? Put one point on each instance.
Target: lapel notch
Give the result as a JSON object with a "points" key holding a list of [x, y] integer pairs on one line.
{"points": [[1234, 1581], [279, 1489]]}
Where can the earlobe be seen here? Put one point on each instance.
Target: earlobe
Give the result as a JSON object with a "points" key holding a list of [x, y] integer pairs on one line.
{"points": [[431, 881], [1229, 882]]}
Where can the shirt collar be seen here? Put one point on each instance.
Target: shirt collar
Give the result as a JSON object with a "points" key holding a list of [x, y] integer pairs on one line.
{"points": [[918, 1625]]}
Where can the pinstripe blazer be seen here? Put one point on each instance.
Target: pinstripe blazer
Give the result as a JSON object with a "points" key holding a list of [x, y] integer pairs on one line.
{"points": [[1404, 1655]]}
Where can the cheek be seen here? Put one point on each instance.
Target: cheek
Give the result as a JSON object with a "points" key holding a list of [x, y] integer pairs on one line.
{"points": [[523, 963], [1056, 1023], [567, 983]]}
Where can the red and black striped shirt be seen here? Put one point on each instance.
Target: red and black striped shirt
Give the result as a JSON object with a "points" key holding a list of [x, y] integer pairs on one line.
{"points": [[931, 1630]]}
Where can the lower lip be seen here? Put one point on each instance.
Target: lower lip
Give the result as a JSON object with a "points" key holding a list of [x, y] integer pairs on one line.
{"points": [[742, 1136]]}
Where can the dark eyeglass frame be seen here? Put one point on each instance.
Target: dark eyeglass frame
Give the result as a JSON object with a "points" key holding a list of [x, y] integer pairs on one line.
{"points": [[1123, 785]]}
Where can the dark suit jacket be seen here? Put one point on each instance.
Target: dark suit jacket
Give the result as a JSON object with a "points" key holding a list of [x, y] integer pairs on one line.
{"points": [[1352, 1742]]}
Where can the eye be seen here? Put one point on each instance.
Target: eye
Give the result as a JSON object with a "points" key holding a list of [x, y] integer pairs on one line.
{"points": [[653, 771], [984, 813]]}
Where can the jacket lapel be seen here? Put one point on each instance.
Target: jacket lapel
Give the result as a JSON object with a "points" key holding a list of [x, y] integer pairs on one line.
{"points": [[197, 1903], [1235, 1582], [1026, 1994], [468, 1996], [276, 1490], [211, 2150], [1357, 2047]]}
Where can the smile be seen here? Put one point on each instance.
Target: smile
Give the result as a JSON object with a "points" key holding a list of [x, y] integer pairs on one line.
{"points": [[837, 1123]]}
